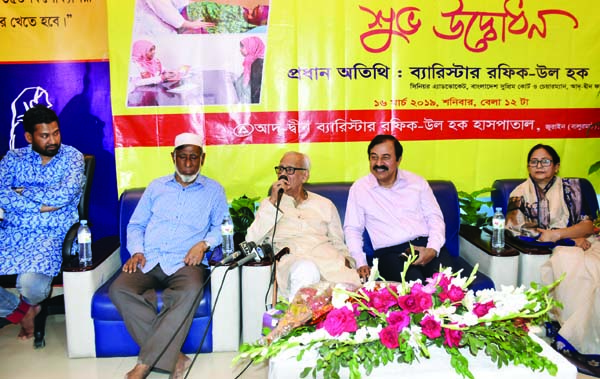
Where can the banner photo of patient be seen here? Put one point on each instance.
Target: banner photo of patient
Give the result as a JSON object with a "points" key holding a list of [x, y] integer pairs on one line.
{"points": [[187, 53]]}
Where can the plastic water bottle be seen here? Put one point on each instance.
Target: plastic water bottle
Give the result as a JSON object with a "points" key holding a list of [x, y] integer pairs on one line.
{"points": [[227, 233], [498, 229], [84, 237]]}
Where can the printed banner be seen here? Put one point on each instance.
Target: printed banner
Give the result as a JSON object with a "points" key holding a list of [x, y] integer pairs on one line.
{"points": [[53, 30], [290, 72]]}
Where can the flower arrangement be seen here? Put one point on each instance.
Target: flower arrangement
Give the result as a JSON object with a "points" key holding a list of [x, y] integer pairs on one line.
{"points": [[383, 322]]}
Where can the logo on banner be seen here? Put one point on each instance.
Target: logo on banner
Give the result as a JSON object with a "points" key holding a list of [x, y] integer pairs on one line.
{"points": [[28, 98], [243, 130]]}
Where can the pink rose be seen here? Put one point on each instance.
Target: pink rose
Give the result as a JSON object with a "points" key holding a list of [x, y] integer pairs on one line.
{"points": [[415, 302], [431, 327], [389, 337], [482, 309], [442, 279], [453, 293], [452, 337], [382, 300], [425, 301], [339, 321], [399, 319], [409, 303]]}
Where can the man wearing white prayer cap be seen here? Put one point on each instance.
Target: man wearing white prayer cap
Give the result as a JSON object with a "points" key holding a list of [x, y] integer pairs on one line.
{"points": [[176, 222]]}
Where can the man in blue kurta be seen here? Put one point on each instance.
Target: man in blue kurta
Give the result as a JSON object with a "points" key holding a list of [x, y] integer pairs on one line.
{"points": [[40, 187], [174, 225]]}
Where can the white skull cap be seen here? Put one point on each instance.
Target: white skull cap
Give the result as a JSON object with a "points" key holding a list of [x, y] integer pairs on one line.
{"points": [[188, 139]]}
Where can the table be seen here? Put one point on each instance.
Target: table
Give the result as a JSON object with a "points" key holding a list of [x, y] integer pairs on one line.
{"points": [[255, 283], [207, 87], [438, 366], [530, 260], [501, 265], [227, 312]]}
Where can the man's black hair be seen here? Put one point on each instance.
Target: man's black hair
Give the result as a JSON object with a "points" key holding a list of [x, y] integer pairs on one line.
{"points": [[38, 114], [381, 138]]}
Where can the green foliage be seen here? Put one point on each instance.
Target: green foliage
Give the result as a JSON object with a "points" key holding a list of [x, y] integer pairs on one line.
{"points": [[593, 168], [470, 208], [597, 221], [242, 213], [502, 335]]}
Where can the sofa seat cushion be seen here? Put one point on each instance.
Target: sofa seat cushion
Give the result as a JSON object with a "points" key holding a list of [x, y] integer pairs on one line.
{"points": [[104, 309]]}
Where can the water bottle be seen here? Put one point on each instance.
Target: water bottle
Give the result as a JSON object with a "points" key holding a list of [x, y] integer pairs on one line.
{"points": [[84, 237], [498, 229], [227, 233]]}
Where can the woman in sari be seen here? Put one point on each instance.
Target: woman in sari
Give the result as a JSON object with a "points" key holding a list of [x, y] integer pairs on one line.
{"points": [[551, 209]]}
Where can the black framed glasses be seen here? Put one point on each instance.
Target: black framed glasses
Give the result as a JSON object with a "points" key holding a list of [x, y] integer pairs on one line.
{"points": [[544, 162], [287, 170]]}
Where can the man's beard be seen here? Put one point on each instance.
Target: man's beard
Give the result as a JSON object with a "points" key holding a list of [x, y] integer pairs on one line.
{"points": [[187, 178], [45, 152]]}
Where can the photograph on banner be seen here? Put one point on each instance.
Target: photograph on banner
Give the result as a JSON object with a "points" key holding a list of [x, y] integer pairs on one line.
{"points": [[189, 53], [153, 18], [179, 72]]}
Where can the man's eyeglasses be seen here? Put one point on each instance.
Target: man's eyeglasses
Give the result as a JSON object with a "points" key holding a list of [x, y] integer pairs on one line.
{"points": [[545, 162], [288, 170]]}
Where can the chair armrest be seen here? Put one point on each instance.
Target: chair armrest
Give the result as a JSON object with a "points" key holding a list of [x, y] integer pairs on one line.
{"points": [[525, 249], [502, 266], [483, 241], [67, 245], [80, 284], [102, 249]]}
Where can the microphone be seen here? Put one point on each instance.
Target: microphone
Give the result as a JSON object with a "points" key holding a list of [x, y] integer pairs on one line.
{"points": [[280, 192], [230, 258], [257, 254]]}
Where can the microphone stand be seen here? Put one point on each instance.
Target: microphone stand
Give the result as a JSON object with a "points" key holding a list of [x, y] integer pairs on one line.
{"points": [[272, 280], [276, 258]]}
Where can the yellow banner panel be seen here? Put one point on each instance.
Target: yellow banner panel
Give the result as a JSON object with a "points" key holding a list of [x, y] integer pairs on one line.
{"points": [[53, 30]]}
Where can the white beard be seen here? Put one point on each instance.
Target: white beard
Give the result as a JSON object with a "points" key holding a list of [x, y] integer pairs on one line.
{"points": [[187, 178]]}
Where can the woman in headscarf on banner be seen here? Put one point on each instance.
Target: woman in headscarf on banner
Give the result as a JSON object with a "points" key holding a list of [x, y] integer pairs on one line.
{"points": [[154, 18], [146, 70], [248, 84], [551, 210]]}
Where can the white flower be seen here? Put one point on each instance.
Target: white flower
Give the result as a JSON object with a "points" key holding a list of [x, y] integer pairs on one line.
{"points": [[339, 297], [508, 304], [442, 311], [370, 285], [305, 338], [345, 336], [414, 333], [361, 335], [468, 319], [459, 281], [469, 300], [374, 271]]}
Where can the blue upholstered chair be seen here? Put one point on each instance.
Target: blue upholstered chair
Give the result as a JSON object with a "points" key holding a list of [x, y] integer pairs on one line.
{"points": [[447, 197], [112, 338], [532, 257]]}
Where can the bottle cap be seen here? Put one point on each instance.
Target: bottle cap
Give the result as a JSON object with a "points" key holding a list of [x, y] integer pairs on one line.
{"points": [[498, 209], [83, 222]]}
